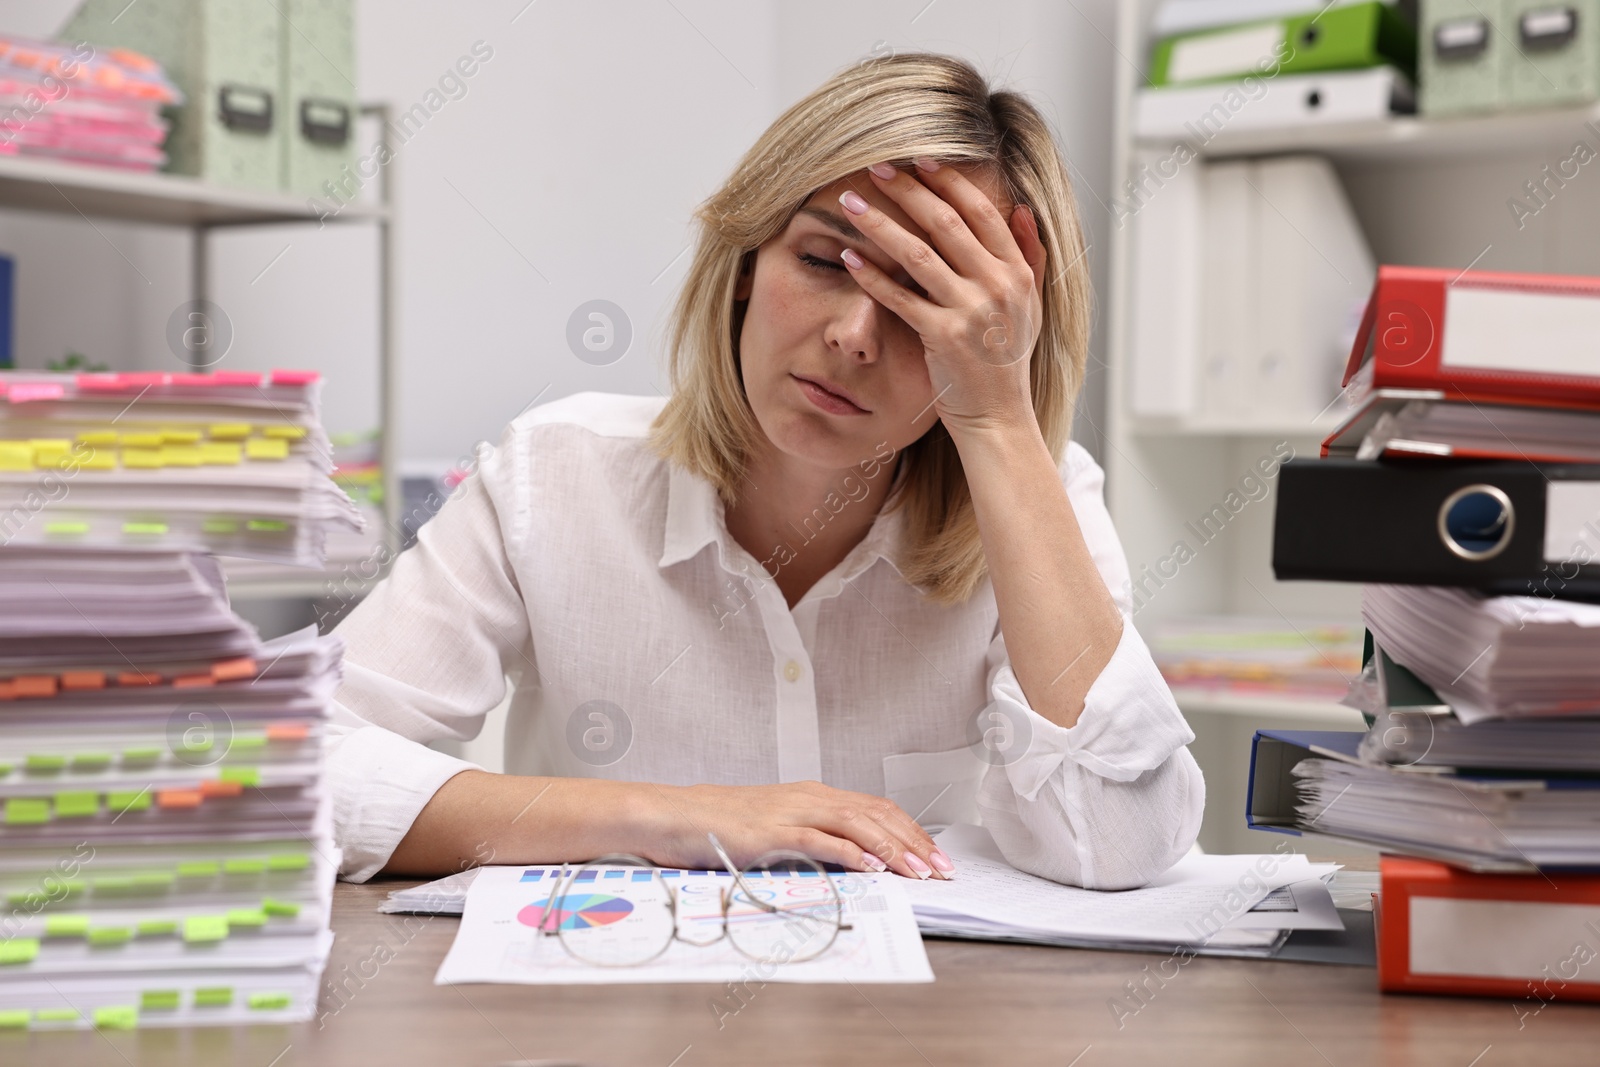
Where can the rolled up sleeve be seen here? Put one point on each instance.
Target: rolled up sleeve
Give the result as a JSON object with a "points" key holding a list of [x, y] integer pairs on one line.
{"points": [[1115, 799]]}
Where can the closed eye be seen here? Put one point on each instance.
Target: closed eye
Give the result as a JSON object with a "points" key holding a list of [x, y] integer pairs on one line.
{"points": [[818, 263]]}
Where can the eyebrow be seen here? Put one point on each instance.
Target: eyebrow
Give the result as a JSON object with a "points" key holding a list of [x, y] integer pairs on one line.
{"points": [[835, 222]]}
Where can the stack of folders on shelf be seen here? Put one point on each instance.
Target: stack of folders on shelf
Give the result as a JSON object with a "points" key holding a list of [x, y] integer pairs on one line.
{"points": [[1480, 770], [166, 849], [1249, 64]]}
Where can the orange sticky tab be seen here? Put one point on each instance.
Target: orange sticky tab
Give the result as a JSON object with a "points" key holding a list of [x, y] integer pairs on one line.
{"points": [[179, 798], [230, 670], [8, 690], [221, 789], [83, 679], [192, 681], [138, 678], [288, 731], [35, 685]]}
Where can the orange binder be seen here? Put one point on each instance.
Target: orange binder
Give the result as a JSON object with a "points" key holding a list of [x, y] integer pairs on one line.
{"points": [[1532, 937]]}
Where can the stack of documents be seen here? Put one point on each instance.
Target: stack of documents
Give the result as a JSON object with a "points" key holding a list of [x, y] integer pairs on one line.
{"points": [[1248, 65], [235, 463], [72, 102], [1311, 659], [166, 849]]}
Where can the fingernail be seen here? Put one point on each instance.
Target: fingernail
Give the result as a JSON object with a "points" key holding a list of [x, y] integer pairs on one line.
{"points": [[850, 257], [853, 202], [883, 170], [942, 863], [873, 863], [926, 164], [918, 868]]}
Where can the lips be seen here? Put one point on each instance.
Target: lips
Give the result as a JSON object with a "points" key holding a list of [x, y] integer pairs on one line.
{"points": [[830, 397]]}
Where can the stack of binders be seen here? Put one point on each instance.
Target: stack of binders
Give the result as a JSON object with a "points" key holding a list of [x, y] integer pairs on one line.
{"points": [[1264, 64], [166, 849], [1464, 487]]}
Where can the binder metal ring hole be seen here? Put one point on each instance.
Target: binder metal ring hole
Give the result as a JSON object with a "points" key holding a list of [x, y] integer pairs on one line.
{"points": [[1310, 35], [1314, 99], [1476, 522]]}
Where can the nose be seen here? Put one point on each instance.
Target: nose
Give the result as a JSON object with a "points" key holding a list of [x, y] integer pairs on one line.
{"points": [[857, 327]]}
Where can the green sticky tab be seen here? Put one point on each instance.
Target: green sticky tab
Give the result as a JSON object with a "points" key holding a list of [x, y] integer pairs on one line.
{"points": [[189, 748], [268, 1001], [116, 1017], [248, 744], [141, 755], [218, 996], [108, 936], [246, 917], [220, 526], [205, 928], [266, 526], [44, 763], [91, 761], [152, 883], [113, 883], [159, 1000], [5, 769], [293, 861], [244, 865], [242, 775], [283, 909], [15, 1020], [66, 925], [157, 927], [139, 801], [27, 811], [56, 1015], [66, 527], [19, 950], [144, 527], [77, 803], [198, 869]]}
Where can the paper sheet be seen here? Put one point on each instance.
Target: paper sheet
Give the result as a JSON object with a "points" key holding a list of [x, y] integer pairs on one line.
{"points": [[499, 942]]}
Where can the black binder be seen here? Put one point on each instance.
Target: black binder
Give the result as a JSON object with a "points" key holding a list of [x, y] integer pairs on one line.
{"points": [[1427, 522]]}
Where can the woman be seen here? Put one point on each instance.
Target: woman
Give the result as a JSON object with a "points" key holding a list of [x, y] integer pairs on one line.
{"points": [[849, 581]]}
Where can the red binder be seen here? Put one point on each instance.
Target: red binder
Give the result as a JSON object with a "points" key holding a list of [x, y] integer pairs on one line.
{"points": [[1480, 335], [1531, 937]]}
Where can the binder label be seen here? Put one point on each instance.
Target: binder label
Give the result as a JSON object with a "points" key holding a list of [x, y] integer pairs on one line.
{"points": [[1543, 333], [1572, 522]]}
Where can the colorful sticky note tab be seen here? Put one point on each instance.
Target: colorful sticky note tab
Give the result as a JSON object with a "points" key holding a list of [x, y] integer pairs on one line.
{"points": [[219, 996], [157, 927], [293, 861], [286, 433], [198, 928], [91, 761], [77, 804], [99, 459], [109, 936], [15, 1019], [198, 869], [159, 1000], [24, 392], [172, 799], [228, 431], [98, 437], [282, 909], [244, 865], [66, 528], [266, 525], [56, 1015], [144, 529], [220, 526], [220, 454], [116, 1017], [120, 802], [153, 883], [66, 925], [142, 458], [246, 917], [44, 763], [19, 950], [83, 680], [263, 448], [268, 1001], [27, 811], [181, 456], [141, 755], [243, 775], [16, 456], [35, 685]]}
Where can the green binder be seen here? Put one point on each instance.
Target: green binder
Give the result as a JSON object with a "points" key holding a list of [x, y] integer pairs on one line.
{"points": [[1349, 37], [319, 93], [1556, 53], [224, 55], [1460, 63]]}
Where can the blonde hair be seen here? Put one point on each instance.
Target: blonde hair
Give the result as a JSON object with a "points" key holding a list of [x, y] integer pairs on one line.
{"points": [[892, 109]]}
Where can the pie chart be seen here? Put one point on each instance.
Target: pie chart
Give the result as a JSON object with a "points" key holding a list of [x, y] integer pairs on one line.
{"points": [[579, 911]]}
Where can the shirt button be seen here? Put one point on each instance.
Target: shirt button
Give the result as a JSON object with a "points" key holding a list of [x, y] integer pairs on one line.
{"points": [[791, 671]]}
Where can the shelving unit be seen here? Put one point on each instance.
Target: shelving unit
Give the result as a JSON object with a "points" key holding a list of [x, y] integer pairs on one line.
{"points": [[91, 193], [1434, 192]]}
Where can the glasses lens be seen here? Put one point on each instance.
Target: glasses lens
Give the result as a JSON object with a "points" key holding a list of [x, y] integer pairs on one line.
{"points": [[612, 915], [784, 909]]}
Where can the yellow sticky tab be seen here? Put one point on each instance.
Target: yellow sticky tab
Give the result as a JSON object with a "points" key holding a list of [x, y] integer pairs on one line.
{"points": [[173, 436], [99, 437], [15, 1019], [229, 431], [220, 453], [98, 459], [142, 458], [51, 451], [181, 455], [16, 456], [287, 433], [141, 440], [266, 448]]}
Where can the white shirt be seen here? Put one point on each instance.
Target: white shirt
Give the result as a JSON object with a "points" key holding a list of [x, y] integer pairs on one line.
{"points": [[588, 569]]}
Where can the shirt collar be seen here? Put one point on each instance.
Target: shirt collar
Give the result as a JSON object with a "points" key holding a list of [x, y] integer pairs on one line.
{"points": [[696, 518]]}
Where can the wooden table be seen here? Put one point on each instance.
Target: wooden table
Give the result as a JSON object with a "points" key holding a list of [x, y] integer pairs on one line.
{"points": [[991, 1004]]}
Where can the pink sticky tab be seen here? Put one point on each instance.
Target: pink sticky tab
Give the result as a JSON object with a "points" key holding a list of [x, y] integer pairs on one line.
{"points": [[200, 380], [22, 392], [294, 377], [5, 385], [99, 383], [145, 379], [236, 377]]}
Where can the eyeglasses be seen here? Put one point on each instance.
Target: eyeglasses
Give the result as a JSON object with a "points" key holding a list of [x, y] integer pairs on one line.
{"points": [[620, 911]]}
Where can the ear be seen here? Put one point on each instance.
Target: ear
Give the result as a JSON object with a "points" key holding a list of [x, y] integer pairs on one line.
{"points": [[747, 277]]}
